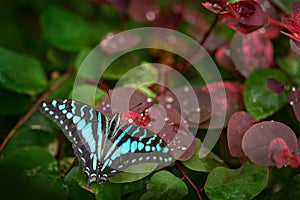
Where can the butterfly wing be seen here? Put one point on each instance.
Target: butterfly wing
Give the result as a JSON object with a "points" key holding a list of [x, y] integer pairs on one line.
{"points": [[84, 127], [132, 145], [104, 147]]}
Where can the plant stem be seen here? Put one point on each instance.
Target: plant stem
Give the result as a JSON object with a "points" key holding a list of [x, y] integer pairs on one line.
{"points": [[209, 31], [186, 177], [182, 65], [34, 107]]}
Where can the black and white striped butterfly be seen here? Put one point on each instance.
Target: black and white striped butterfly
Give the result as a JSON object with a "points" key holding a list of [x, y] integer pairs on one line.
{"points": [[103, 146]]}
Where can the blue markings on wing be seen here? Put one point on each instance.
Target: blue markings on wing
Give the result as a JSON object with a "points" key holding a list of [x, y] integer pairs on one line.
{"points": [[135, 132], [151, 139], [140, 146], [69, 115], [62, 106], [76, 119], [100, 135], [133, 147], [143, 136], [81, 124], [147, 148], [54, 103], [91, 113], [87, 134], [165, 150], [116, 142], [125, 147], [82, 110], [158, 147]]}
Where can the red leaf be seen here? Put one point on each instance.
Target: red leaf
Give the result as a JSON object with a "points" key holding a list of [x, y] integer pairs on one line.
{"points": [[279, 152], [295, 11], [293, 23], [246, 17], [227, 105], [173, 129], [245, 57], [294, 100], [274, 85], [258, 138], [123, 99], [223, 58], [294, 160], [216, 6], [238, 124], [182, 99]]}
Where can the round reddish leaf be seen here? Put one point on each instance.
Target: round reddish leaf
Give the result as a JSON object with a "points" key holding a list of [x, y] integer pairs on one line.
{"points": [[114, 43], [294, 100], [182, 100], [274, 85], [227, 105], [257, 139], [238, 124], [223, 58], [123, 99], [250, 13], [245, 57], [173, 129]]}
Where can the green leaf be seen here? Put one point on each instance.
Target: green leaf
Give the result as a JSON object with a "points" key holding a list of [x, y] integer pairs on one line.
{"points": [[107, 191], [206, 164], [290, 191], [26, 136], [9, 105], [164, 185], [63, 90], [243, 183], [88, 94], [76, 192], [65, 30], [120, 66], [260, 102], [135, 187], [28, 161], [21, 73], [31, 172], [142, 76], [134, 173], [290, 65]]}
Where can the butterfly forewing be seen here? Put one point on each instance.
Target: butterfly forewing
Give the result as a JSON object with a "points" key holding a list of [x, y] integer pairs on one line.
{"points": [[104, 147]]}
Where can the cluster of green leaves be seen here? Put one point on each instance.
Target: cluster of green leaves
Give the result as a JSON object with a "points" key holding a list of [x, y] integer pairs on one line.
{"points": [[41, 39]]}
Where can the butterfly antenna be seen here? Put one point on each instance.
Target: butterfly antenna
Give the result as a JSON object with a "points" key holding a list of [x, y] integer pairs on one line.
{"points": [[133, 107]]}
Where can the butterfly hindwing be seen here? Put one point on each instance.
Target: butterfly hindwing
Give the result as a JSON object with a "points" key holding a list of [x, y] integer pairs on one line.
{"points": [[134, 145]]}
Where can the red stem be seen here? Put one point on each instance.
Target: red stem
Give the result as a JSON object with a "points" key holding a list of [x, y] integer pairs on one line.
{"points": [[182, 65], [186, 177]]}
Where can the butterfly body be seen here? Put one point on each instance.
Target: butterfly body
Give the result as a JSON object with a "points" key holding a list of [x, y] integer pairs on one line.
{"points": [[103, 146]]}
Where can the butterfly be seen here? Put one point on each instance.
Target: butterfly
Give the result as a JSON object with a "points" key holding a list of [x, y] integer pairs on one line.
{"points": [[103, 146]]}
